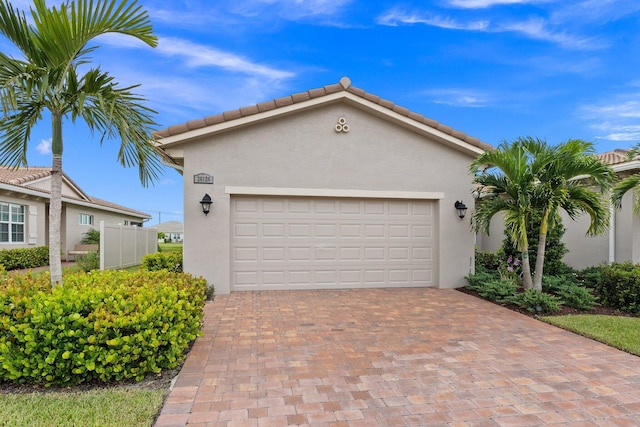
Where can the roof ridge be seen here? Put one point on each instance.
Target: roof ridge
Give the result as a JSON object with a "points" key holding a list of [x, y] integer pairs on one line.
{"points": [[343, 85]]}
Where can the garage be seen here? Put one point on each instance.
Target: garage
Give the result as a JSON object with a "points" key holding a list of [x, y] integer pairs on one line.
{"points": [[281, 243], [329, 188]]}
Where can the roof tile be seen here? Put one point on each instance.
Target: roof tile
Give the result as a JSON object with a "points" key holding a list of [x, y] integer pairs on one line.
{"points": [[334, 88], [214, 120], [232, 115], [415, 116], [284, 101], [371, 97], [177, 129], [401, 110], [196, 124], [317, 93], [299, 97], [250, 110], [356, 91], [267, 106]]}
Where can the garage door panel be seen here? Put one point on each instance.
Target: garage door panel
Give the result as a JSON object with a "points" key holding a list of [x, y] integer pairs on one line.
{"points": [[273, 230], [307, 243]]}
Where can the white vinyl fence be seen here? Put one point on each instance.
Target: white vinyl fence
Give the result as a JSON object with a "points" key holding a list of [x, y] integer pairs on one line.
{"points": [[123, 246]]}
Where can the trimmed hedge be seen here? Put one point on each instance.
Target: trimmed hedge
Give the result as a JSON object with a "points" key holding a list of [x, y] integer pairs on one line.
{"points": [[15, 259], [171, 261], [619, 286], [105, 326]]}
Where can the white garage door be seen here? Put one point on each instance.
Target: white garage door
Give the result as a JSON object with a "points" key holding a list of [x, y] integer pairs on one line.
{"points": [[316, 243]]}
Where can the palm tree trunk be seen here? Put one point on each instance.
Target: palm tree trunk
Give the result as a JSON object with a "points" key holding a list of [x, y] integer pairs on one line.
{"points": [[55, 203], [542, 247], [527, 283]]}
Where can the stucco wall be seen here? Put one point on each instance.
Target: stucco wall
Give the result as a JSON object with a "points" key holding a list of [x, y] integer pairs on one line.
{"points": [[74, 230], [304, 151], [586, 251]]}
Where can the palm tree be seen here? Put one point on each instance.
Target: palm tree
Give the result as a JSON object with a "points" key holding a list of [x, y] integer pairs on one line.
{"points": [[628, 184], [47, 78], [533, 176]]}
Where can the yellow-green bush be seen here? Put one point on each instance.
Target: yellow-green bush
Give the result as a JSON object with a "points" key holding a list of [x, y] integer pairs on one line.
{"points": [[104, 326], [13, 259], [171, 261]]}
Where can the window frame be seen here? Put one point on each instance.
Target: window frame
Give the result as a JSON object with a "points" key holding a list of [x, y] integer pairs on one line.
{"points": [[13, 210], [82, 216]]}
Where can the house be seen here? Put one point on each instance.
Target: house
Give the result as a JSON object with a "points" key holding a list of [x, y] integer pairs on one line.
{"points": [[620, 243], [173, 231], [24, 210], [330, 188]]}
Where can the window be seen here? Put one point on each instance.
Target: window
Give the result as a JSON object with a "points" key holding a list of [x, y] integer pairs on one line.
{"points": [[11, 223], [86, 219]]}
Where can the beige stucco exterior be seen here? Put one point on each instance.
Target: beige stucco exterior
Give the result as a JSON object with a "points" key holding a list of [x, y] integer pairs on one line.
{"points": [[73, 231], [620, 243], [33, 194], [298, 152]]}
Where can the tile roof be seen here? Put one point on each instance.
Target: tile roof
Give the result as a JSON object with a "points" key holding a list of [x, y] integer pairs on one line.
{"points": [[343, 85], [22, 176], [614, 157]]}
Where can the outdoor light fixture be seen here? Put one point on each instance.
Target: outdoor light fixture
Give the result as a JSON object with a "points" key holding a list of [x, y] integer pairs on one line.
{"points": [[206, 204], [461, 207]]}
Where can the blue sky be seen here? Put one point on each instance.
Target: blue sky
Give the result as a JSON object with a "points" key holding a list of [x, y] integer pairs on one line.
{"points": [[495, 69]]}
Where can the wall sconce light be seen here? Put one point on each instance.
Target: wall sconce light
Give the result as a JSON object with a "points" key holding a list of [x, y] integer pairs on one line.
{"points": [[461, 207], [206, 204]]}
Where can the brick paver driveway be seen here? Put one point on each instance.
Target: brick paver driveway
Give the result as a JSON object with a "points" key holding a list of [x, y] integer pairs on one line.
{"points": [[395, 357]]}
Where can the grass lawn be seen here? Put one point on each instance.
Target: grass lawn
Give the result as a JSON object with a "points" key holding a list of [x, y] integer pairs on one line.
{"points": [[170, 247], [105, 407], [617, 331]]}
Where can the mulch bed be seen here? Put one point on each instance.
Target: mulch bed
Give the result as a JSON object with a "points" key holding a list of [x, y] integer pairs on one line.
{"points": [[598, 309], [153, 381]]}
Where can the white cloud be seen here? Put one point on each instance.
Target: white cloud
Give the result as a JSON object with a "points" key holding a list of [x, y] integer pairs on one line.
{"points": [[615, 121], [288, 9], [196, 55], [538, 29], [483, 4], [534, 28], [395, 17], [458, 97], [44, 147]]}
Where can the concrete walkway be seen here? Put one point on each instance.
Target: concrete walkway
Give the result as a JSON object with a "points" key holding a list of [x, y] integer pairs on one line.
{"points": [[394, 357]]}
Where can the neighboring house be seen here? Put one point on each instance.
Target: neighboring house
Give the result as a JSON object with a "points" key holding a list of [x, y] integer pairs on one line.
{"points": [[24, 210], [620, 243], [329, 188], [173, 231]]}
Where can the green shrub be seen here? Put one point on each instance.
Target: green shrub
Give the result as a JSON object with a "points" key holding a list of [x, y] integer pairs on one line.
{"points": [[554, 283], [590, 276], [171, 261], [577, 297], [14, 259], [481, 277], [619, 286], [488, 261], [536, 302], [91, 237], [494, 290], [105, 326], [572, 294], [555, 249], [89, 261]]}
